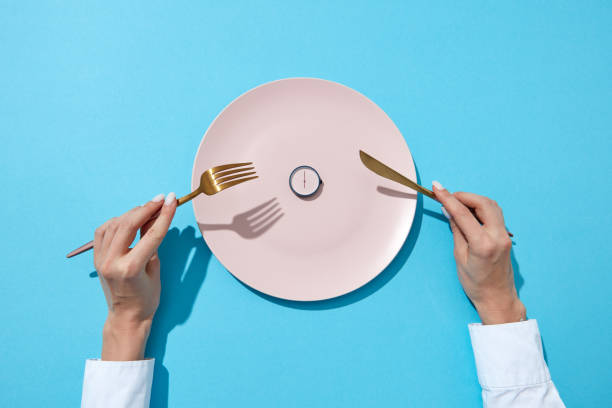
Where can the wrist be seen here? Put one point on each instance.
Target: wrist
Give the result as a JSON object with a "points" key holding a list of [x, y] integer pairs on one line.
{"points": [[502, 312], [124, 340]]}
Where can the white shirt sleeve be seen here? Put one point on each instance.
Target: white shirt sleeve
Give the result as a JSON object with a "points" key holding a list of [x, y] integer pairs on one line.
{"points": [[511, 367], [117, 384]]}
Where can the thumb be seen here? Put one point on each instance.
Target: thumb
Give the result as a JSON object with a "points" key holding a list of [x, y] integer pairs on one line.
{"points": [[153, 235]]}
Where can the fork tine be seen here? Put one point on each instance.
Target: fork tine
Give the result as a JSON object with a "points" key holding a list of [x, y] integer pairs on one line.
{"points": [[222, 180], [213, 170], [234, 182], [228, 172]]}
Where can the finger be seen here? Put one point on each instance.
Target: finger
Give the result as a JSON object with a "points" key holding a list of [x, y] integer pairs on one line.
{"points": [[153, 267], [146, 226], [462, 216], [109, 233], [150, 241], [486, 209], [98, 238], [130, 223], [461, 244]]}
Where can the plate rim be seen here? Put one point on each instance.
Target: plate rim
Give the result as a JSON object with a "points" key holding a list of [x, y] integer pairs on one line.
{"points": [[395, 252]]}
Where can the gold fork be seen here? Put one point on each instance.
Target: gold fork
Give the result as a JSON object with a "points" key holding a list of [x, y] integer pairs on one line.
{"points": [[212, 181]]}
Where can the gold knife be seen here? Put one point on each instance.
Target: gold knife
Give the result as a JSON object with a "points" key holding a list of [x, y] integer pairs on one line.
{"points": [[387, 172]]}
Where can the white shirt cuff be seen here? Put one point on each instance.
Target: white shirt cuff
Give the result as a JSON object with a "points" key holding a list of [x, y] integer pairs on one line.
{"points": [[508, 355], [117, 383]]}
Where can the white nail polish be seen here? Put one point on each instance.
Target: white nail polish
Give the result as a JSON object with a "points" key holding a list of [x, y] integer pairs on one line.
{"points": [[437, 185], [446, 214], [158, 198], [170, 198]]}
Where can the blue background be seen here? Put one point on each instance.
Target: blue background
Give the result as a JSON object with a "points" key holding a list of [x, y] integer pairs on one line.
{"points": [[102, 106]]}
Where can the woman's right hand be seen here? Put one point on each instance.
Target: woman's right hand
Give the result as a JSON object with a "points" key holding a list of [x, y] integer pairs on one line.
{"points": [[482, 253], [130, 276]]}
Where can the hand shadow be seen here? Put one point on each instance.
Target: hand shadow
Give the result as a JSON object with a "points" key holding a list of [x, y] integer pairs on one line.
{"points": [[518, 278], [184, 259]]}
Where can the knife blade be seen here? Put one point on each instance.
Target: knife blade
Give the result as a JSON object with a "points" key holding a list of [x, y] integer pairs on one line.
{"points": [[387, 172]]}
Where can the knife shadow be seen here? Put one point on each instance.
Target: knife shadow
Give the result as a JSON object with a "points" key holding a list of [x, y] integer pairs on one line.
{"points": [[401, 194], [395, 193], [380, 280], [252, 223]]}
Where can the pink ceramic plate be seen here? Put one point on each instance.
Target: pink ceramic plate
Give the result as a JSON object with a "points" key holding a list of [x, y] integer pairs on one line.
{"points": [[305, 248]]}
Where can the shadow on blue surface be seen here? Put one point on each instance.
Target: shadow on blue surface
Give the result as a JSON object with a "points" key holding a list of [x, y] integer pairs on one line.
{"points": [[518, 278], [184, 259]]}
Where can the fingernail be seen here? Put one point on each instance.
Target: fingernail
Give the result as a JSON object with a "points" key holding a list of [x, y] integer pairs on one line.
{"points": [[170, 198], [446, 214], [158, 198], [437, 185]]}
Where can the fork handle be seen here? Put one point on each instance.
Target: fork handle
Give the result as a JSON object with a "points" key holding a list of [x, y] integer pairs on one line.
{"points": [[86, 247], [188, 197], [80, 250]]}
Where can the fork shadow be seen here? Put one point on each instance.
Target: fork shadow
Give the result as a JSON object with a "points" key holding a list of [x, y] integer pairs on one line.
{"points": [[184, 259], [252, 223], [380, 280]]}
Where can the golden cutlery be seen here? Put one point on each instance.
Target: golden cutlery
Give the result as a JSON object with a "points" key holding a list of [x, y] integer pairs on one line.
{"points": [[387, 172], [212, 181]]}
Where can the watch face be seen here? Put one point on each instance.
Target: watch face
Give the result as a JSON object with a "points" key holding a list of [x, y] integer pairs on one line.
{"points": [[304, 181]]}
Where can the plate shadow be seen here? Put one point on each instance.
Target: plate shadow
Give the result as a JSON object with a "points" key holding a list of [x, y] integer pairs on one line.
{"points": [[375, 284]]}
